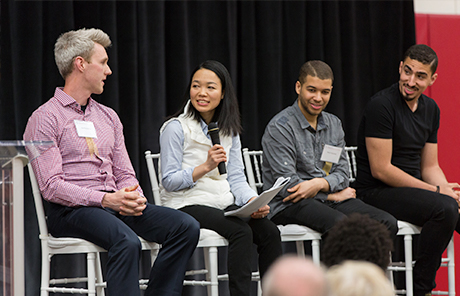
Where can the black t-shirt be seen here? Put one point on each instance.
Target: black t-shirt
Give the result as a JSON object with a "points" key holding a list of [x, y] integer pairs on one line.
{"points": [[387, 116]]}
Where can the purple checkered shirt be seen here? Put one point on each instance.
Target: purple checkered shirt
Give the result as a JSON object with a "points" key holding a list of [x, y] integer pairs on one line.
{"points": [[66, 173]]}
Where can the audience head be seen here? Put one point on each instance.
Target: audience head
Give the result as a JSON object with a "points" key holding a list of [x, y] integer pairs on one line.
{"points": [[294, 276], [358, 237], [77, 43], [358, 278], [424, 54], [317, 69], [226, 113]]}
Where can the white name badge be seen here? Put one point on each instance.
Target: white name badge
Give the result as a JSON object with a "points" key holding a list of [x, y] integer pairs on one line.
{"points": [[331, 153], [85, 129]]}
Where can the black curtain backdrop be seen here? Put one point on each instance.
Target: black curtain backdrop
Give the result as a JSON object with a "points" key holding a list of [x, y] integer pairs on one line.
{"points": [[156, 44]]}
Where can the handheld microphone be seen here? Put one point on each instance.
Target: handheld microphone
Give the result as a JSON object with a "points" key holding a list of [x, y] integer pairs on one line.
{"points": [[213, 131]]}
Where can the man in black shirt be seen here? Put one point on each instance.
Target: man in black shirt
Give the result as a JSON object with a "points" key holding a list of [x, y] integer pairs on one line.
{"points": [[398, 169]]}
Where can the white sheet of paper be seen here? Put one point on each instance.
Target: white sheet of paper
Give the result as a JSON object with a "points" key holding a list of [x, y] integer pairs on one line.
{"points": [[262, 200], [85, 129], [331, 153]]}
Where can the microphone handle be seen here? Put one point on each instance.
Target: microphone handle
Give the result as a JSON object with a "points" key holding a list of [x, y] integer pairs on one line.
{"points": [[221, 167]]}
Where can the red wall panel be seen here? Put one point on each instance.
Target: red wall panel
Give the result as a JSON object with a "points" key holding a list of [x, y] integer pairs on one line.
{"points": [[442, 33]]}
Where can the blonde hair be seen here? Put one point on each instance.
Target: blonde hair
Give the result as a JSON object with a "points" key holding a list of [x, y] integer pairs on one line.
{"points": [[77, 43], [358, 278]]}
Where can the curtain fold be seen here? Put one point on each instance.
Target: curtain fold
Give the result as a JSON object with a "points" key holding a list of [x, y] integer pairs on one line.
{"points": [[156, 44]]}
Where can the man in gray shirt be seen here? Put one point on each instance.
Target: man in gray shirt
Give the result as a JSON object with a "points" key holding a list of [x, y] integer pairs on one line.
{"points": [[318, 194]]}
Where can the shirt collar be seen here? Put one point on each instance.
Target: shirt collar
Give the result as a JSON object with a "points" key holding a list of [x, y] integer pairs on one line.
{"points": [[304, 124], [67, 100]]}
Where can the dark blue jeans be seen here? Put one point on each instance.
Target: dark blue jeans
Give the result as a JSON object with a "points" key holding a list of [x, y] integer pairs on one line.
{"points": [[241, 235], [436, 213], [322, 216], [176, 231]]}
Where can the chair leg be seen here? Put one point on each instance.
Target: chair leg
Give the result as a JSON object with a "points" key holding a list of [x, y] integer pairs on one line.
{"points": [[45, 284], [212, 266], [99, 279], [315, 251], [91, 267], [300, 248], [451, 267], [259, 288], [408, 264]]}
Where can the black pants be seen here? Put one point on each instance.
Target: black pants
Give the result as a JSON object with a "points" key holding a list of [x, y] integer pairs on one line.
{"points": [[177, 232], [436, 213], [322, 216], [241, 235]]}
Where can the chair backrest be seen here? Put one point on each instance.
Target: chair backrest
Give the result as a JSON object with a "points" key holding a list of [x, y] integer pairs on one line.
{"points": [[253, 163], [351, 158], [38, 203], [149, 157]]}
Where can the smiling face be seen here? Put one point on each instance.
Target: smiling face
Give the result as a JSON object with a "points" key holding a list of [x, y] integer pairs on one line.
{"points": [[206, 93], [97, 69], [314, 95], [414, 78]]}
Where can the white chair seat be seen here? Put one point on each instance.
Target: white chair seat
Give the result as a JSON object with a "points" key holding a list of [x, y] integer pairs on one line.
{"points": [[296, 230], [408, 228], [210, 238], [71, 245]]}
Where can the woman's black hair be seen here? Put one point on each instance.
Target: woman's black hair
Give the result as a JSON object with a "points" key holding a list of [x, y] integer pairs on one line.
{"points": [[227, 114]]}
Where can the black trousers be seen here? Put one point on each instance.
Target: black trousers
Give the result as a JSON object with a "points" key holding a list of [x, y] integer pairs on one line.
{"points": [[435, 212], [322, 216], [176, 231], [241, 235]]}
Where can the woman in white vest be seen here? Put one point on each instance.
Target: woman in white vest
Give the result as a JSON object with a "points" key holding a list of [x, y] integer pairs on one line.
{"points": [[191, 182]]}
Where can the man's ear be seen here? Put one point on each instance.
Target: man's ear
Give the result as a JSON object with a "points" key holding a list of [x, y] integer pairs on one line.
{"points": [[79, 63], [433, 78], [298, 87]]}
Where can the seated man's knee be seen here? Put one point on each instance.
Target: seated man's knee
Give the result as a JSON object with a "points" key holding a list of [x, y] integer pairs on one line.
{"points": [[451, 211], [392, 224], [190, 226], [130, 243]]}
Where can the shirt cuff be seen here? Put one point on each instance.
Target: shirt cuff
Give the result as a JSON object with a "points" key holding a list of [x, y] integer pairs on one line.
{"points": [[321, 196], [188, 177], [97, 197]]}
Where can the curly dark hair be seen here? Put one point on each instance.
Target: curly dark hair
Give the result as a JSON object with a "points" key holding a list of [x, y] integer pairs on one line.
{"points": [[357, 237]]}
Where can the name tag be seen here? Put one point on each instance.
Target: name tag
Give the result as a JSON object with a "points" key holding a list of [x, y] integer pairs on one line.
{"points": [[331, 153], [85, 129]]}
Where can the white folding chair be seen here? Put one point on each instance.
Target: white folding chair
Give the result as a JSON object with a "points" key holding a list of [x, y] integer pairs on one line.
{"points": [[291, 232], [209, 240], [408, 230], [67, 245]]}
